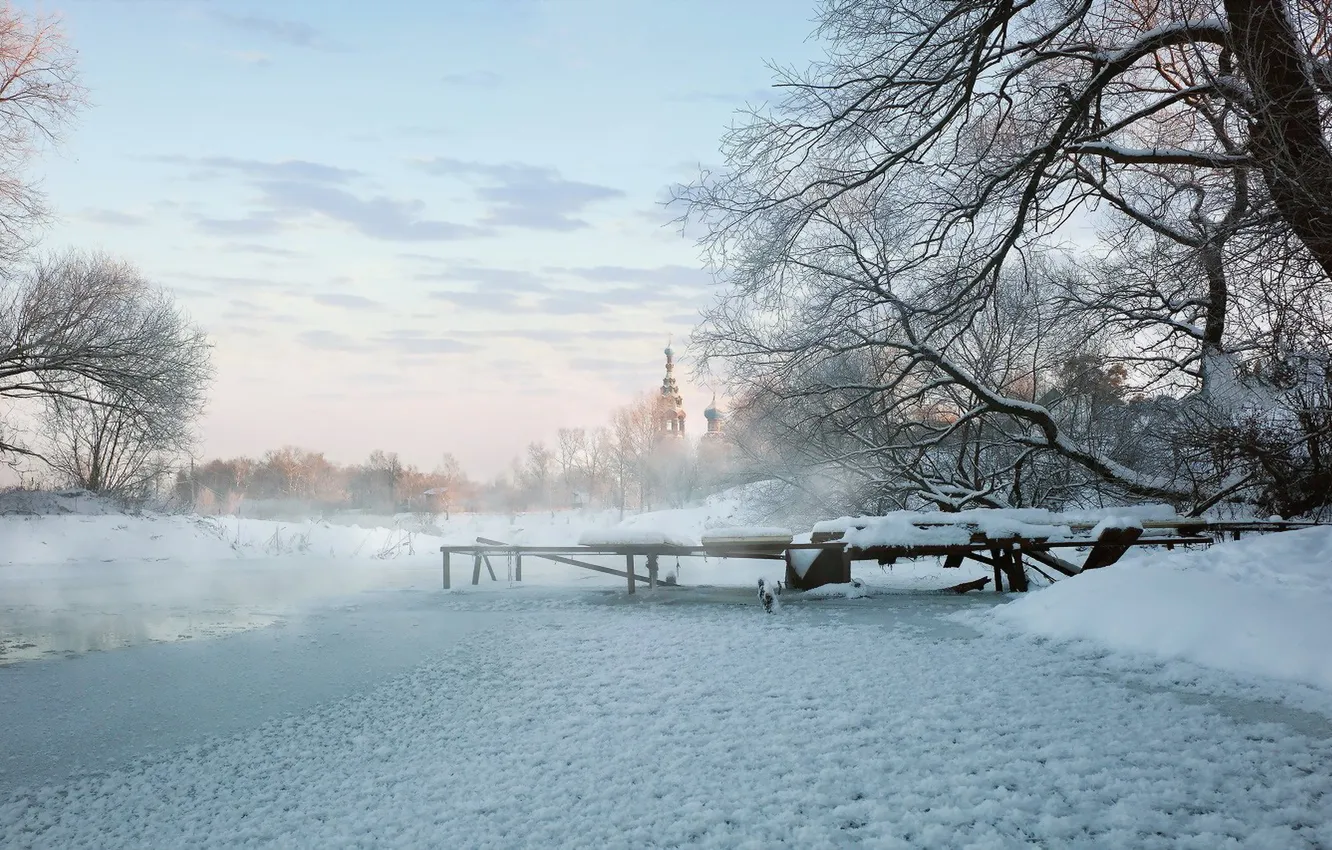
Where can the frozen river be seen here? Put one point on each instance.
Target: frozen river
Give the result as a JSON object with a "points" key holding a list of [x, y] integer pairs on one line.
{"points": [[528, 717]]}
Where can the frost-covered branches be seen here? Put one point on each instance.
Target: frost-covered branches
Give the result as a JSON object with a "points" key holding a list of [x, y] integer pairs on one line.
{"points": [[898, 238], [119, 371], [38, 93]]}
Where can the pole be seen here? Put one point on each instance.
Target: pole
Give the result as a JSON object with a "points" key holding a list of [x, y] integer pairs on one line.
{"points": [[446, 566], [629, 570]]}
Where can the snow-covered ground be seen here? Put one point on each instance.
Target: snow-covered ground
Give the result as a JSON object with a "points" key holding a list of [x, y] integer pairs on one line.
{"points": [[346, 701]]}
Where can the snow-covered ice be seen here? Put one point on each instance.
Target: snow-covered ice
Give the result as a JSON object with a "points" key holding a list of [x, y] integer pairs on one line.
{"points": [[603, 723]]}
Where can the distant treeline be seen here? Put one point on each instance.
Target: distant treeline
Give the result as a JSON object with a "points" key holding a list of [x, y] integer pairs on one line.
{"points": [[626, 465]]}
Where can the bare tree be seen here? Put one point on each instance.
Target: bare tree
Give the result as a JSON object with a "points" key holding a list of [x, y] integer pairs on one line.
{"points": [[451, 480], [111, 447], [570, 449], [634, 437], [891, 233], [39, 92], [536, 472], [119, 370], [596, 463]]}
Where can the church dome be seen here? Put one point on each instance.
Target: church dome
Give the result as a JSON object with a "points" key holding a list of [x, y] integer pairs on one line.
{"points": [[712, 413]]}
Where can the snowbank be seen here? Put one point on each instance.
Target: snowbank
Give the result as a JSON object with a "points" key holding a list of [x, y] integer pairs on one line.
{"points": [[1260, 606]]}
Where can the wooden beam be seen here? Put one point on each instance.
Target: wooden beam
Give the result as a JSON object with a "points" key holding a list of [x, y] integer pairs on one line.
{"points": [[560, 559], [1017, 577], [1054, 562], [486, 557], [1048, 577], [629, 571], [1110, 547], [445, 553], [518, 567]]}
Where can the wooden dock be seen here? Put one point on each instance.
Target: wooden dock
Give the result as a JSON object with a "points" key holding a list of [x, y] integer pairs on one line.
{"points": [[1010, 556]]}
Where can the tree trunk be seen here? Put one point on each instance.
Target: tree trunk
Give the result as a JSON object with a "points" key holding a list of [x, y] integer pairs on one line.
{"points": [[1286, 136]]}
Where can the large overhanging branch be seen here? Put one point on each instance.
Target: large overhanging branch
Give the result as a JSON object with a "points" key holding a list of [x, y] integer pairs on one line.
{"points": [[1046, 432], [1161, 156]]}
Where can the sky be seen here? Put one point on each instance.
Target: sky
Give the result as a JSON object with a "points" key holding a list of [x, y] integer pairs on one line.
{"points": [[423, 227]]}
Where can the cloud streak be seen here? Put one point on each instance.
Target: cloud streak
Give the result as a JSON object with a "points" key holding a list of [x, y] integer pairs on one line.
{"points": [[525, 196], [289, 190], [284, 31], [346, 301]]}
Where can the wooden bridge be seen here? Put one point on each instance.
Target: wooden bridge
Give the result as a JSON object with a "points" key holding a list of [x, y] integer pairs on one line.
{"points": [[827, 558]]}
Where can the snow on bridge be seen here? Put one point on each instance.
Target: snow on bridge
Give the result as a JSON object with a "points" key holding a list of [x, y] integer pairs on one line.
{"points": [[1010, 541]]}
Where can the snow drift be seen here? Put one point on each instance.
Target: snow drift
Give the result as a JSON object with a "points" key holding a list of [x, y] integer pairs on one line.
{"points": [[1261, 606]]}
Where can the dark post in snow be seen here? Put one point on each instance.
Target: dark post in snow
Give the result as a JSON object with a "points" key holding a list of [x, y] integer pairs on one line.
{"points": [[629, 570], [445, 552], [652, 570], [518, 567]]}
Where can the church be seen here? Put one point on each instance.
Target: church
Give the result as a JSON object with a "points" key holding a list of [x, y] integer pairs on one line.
{"points": [[670, 408]]}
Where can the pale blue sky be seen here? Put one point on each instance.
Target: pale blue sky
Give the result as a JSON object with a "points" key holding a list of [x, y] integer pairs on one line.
{"points": [[416, 226]]}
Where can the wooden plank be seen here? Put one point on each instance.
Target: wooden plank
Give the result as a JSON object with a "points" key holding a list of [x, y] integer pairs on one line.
{"points": [[503, 548], [1110, 547], [559, 559], [476, 568], [489, 568]]}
